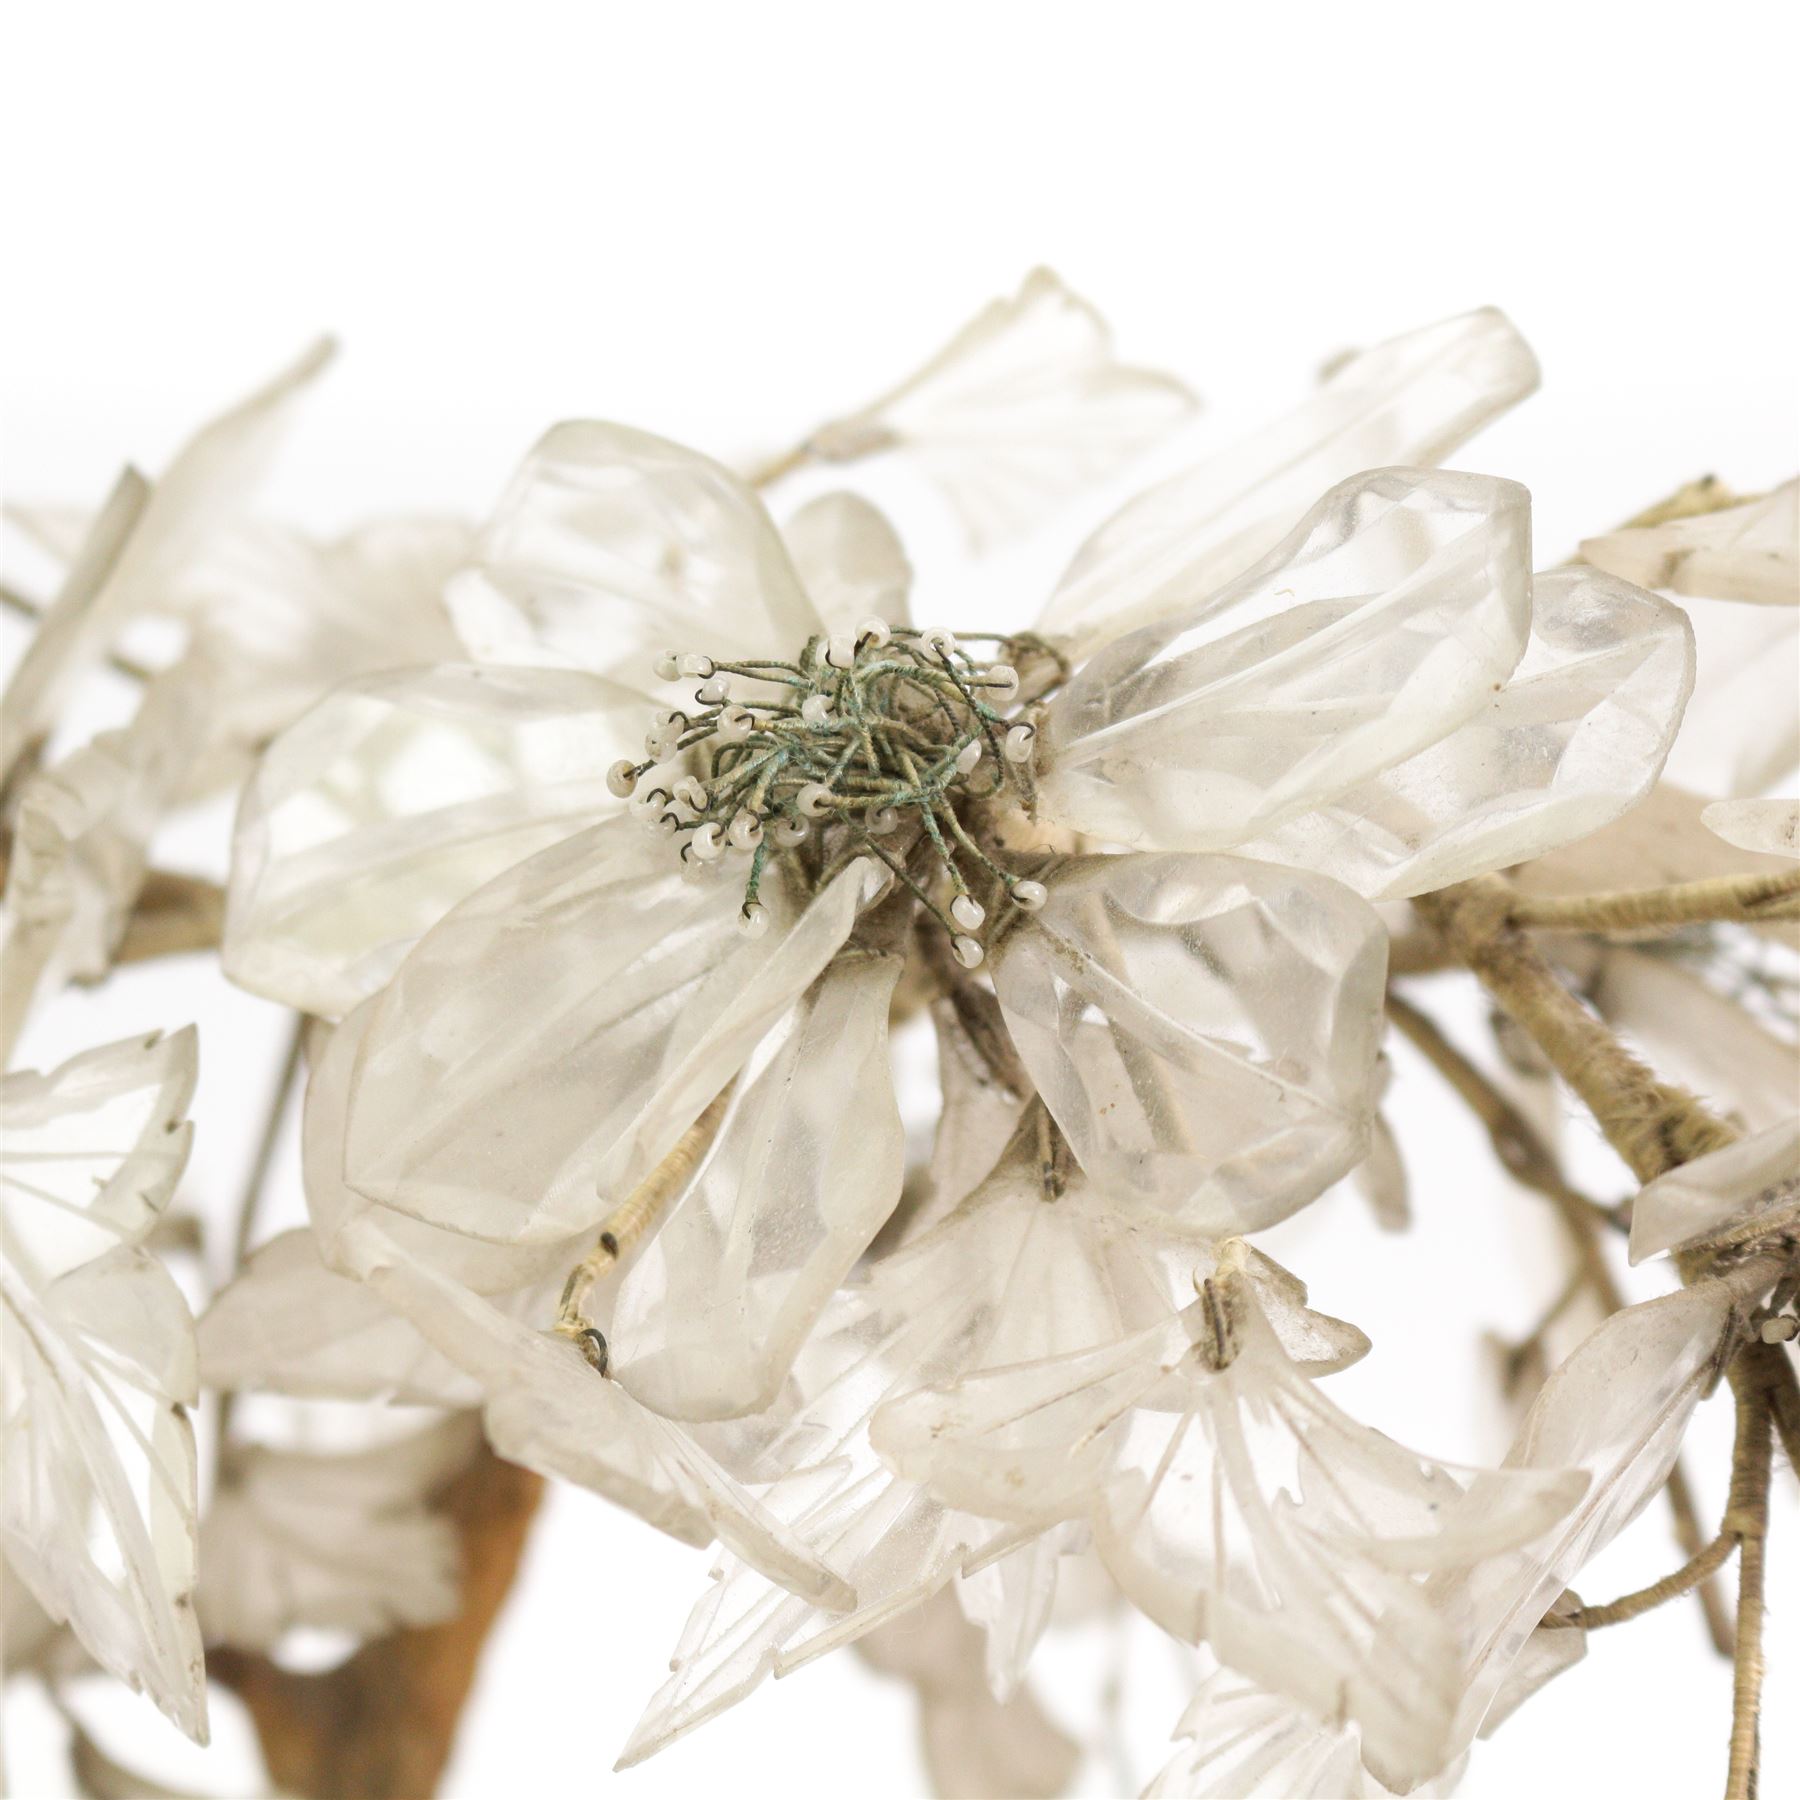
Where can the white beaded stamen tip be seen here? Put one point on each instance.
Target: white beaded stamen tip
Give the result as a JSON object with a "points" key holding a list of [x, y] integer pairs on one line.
{"points": [[714, 692], [874, 631], [814, 800], [1016, 745], [691, 794], [696, 666], [745, 831], [969, 756], [968, 912], [1029, 895], [840, 651], [815, 709], [968, 952], [621, 779], [789, 832], [667, 666], [736, 723], [1001, 681], [708, 842], [753, 920]]}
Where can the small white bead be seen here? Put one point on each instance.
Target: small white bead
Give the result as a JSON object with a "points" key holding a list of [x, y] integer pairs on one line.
{"points": [[815, 709], [968, 912], [691, 794], [651, 797], [968, 952], [708, 842], [621, 778], [883, 820], [873, 631], [697, 667], [840, 651], [658, 744], [814, 799], [672, 719], [1017, 746], [714, 692], [936, 638], [789, 832], [1029, 895], [753, 919], [1002, 679], [667, 666], [969, 756], [745, 831], [736, 723], [662, 824]]}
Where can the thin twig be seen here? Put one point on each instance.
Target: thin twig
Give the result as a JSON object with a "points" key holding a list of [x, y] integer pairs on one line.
{"points": [[1689, 1576], [1726, 899], [1748, 1516]]}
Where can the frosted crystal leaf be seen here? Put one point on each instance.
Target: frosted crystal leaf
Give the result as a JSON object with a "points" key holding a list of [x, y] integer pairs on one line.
{"points": [[1026, 404], [547, 1409], [1385, 620], [288, 1324], [96, 1452], [338, 1542], [612, 546], [850, 561], [1204, 1029], [1408, 402], [1574, 740], [1768, 827], [806, 1166], [542, 1047], [1614, 1412], [1011, 1276], [80, 842], [142, 538], [396, 797], [1742, 730], [1748, 1189], [975, 1745], [1745, 552], [1247, 1743], [1237, 1505]]}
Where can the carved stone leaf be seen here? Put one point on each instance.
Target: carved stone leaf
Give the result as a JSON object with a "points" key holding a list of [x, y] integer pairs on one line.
{"points": [[612, 546], [1745, 552], [542, 1047], [290, 1325], [1025, 405], [806, 1166], [1386, 619], [1407, 402], [1748, 1189], [1574, 740], [1237, 1505], [96, 1452], [394, 799], [850, 561], [1205, 1029], [344, 1542]]}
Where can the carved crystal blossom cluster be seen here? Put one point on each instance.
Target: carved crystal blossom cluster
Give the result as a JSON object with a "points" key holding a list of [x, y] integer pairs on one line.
{"points": [[603, 1150], [868, 735]]}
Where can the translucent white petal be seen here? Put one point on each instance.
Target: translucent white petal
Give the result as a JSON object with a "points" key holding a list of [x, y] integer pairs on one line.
{"points": [[544, 1046], [1409, 401], [850, 561], [1235, 1503], [1012, 1598], [1026, 404], [1768, 827], [805, 1168], [1748, 1189], [290, 1325], [1388, 617], [395, 798], [142, 537], [1574, 740], [612, 546], [96, 1451], [1204, 1029], [338, 1542], [1742, 730], [1745, 552], [81, 839]]}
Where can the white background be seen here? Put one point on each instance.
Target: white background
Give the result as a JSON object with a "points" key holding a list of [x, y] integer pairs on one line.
{"points": [[725, 222]]}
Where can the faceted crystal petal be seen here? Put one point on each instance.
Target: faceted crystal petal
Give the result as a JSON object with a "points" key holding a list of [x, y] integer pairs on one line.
{"points": [[1390, 616], [1575, 739], [613, 546], [1204, 1029], [1025, 405], [1742, 730], [1408, 402], [1748, 1189], [397, 797], [97, 1478], [289, 1325], [805, 1167], [544, 1046], [1768, 827], [1745, 552], [337, 1542], [850, 561], [1234, 1503]]}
